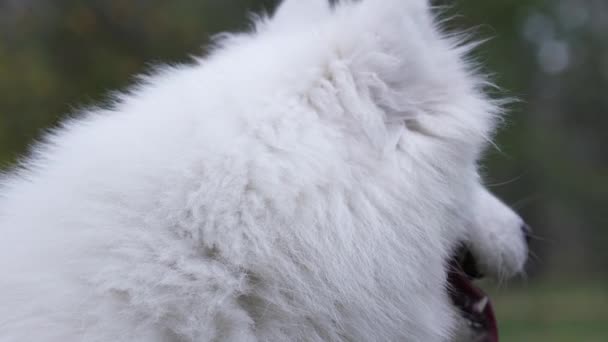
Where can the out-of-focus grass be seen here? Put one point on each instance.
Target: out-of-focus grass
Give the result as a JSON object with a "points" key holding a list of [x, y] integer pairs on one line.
{"points": [[552, 311]]}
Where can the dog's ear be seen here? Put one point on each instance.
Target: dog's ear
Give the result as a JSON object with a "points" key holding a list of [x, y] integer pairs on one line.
{"points": [[292, 13]]}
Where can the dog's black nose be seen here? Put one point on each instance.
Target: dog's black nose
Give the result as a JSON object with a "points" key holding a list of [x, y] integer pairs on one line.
{"points": [[527, 230]]}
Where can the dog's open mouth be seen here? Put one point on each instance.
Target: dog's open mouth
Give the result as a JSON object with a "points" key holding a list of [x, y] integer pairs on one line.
{"points": [[474, 304]]}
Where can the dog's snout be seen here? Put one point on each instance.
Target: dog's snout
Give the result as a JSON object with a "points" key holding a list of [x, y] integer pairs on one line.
{"points": [[527, 230]]}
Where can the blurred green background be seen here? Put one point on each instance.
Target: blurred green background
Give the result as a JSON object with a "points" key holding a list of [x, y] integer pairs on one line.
{"points": [[57, 56]]}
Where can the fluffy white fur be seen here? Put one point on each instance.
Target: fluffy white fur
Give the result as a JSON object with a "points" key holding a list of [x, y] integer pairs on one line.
{"points": [[305, 182]]}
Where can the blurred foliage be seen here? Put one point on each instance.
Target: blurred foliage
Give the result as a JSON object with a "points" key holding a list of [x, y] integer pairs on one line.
{"points": [[550, 54], [58, 54]]}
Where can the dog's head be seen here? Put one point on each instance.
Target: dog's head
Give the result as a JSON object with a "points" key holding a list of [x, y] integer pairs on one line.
{"points": [[384, 72]]}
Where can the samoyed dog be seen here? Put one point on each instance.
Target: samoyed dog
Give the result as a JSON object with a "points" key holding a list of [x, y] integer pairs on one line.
{"points": [[312, 180]]}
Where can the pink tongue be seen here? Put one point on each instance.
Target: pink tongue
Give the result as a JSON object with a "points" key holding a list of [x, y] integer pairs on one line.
{"points": [[475, 295]]}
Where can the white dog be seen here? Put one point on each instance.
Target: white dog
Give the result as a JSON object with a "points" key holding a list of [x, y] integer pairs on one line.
{"points": [[314, 180]]}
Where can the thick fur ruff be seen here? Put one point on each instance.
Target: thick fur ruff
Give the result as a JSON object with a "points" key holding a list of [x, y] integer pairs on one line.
{"points": [[307, 181]]}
